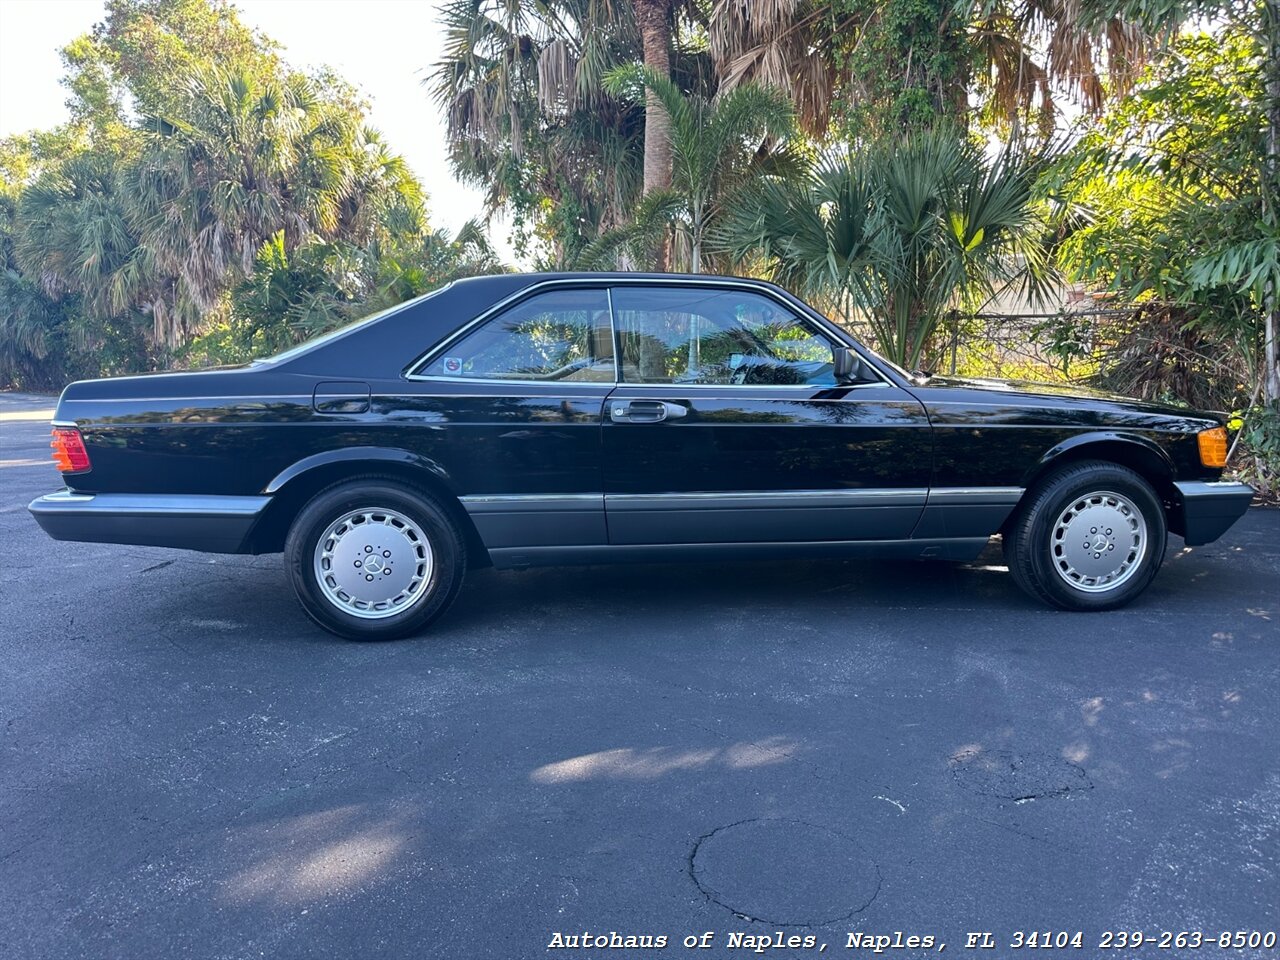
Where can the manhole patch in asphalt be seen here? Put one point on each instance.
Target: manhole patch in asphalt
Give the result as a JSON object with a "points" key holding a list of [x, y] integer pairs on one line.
{"points": [[784, 872], [1020, 777]]}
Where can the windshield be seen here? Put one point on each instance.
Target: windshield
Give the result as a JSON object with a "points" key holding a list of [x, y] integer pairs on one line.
{"points": [[342, 331]]}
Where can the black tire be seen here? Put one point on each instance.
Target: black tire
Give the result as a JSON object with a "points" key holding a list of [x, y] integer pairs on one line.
{"points": [[1034, 540], [423, 543]]}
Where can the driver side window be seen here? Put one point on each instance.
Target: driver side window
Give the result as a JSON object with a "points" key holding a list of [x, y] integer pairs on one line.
{"points": [[559, 336], [708, 336]]}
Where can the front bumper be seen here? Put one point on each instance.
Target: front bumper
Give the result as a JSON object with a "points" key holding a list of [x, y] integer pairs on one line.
{"points": [[1205, 510], [209, 523]]}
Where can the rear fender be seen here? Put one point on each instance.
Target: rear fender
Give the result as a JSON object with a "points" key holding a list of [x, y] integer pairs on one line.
{"points": [[295, 485], [362, 455]]}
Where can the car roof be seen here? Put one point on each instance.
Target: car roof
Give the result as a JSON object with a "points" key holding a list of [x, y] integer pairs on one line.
{"points": [[537, 276], [518, 281], [376, 348]]}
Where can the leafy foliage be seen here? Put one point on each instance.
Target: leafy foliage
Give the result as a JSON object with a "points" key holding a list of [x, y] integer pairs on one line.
{"points": [[1170, 179], [530, 122], [876, 68], [719, 147], [900, 234], [203, 191], [1029, 57], [1173, 181]]}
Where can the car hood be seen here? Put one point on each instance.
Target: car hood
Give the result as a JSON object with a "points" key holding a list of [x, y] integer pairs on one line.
{"points": [[1031, 388]]}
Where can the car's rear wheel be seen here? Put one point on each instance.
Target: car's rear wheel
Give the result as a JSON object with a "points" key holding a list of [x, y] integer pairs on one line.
{"points": [[372, 560], [1089, 536]]}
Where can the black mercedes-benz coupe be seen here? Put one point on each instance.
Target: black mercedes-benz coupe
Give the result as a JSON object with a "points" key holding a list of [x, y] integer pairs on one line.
{"points": [[583, 418]]}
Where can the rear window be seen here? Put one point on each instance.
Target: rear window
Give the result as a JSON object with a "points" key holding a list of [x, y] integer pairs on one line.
{"points": [[322, 339]]}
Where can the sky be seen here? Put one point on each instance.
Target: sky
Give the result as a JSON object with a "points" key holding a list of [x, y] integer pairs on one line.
{"points": [[384, 47]]}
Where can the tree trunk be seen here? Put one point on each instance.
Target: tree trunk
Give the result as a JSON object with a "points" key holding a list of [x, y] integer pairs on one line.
{"points": [[697, 229], [1271, 197], [653, 17]]}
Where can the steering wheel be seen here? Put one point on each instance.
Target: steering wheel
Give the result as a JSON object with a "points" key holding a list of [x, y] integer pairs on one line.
{"points": [[572, 367], [739, 375]]}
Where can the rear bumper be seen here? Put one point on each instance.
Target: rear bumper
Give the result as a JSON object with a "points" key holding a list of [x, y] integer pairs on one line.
{"points": [[1205, 510], [209, 523]]}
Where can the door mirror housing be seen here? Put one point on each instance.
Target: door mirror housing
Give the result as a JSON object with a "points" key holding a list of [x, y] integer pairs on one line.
{"points": [[848, 365]]}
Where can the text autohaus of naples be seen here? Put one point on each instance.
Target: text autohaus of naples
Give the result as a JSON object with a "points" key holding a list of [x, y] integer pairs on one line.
{"points": [[740, 940]]}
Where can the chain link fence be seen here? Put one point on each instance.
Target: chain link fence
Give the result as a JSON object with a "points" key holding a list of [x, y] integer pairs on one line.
{"points": [[1145, 351]]}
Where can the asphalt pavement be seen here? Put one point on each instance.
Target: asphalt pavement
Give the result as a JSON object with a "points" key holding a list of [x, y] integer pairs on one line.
{"points": [[825, 750]]}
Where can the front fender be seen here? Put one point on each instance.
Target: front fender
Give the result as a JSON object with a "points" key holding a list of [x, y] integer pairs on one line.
{"points": [[1137, 452]]}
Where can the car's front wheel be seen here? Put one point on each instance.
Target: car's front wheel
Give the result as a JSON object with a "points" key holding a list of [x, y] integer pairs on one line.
{"points": [[372, 560], [1090, 536]]}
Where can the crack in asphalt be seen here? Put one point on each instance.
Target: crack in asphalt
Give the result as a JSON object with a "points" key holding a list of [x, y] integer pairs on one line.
{"points": [[712, 896], [1022, 833]]}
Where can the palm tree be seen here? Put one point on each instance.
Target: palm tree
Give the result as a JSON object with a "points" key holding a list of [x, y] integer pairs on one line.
{"points": [[653, 18], [1019, 57], [240, 161], [811, 234], [1027, 54], [794, 47], [718, 146], [900, 234], [243, 160], [30, 320], [73, 232], [529, 121], [162, 233], [385, 200]]}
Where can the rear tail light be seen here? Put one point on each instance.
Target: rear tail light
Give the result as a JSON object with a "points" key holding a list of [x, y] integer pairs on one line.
{"points": [[68, 450], [1213, 446]]}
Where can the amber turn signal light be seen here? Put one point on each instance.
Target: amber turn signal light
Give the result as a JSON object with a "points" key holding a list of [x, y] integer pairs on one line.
{"points": [[1213, 446], [68, 450]]}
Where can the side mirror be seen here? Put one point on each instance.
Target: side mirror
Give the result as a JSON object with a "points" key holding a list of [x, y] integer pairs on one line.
{"points": [[848, 365]]}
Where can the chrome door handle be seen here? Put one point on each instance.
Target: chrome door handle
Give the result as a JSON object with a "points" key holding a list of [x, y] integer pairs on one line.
{"points": [[645, 411]]}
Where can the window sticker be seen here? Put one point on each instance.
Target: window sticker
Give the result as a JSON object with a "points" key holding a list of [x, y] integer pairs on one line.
{"points": [[453, 365]]}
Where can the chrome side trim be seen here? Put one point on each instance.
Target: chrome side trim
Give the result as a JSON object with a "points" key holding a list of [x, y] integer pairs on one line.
{"points": [[609, 385], [872, 496], [513, 381], [1213, 488], [614, 340], [533, 502], [948, 496], [767, 499], [557, 385], [255, 397], [832, 332], [962, 549], [147, 505], [748, 387], [454, 395]]}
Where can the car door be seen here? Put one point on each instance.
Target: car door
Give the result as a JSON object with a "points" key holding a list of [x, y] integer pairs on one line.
{"points": [[511, 409], [728, 426]]}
